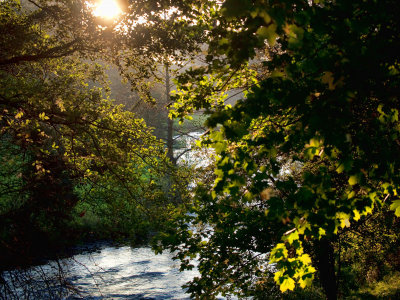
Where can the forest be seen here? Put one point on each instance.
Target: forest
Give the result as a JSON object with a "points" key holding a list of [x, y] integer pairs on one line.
{"points": [[291, 108]]}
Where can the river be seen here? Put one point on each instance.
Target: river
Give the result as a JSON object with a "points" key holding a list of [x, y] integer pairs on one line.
{"points": [[107, 273], [102, 271]]}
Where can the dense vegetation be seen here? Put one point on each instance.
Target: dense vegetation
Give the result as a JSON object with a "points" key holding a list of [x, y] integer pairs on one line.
{"points": [[302, 201], [308, 160], [74, 164]]}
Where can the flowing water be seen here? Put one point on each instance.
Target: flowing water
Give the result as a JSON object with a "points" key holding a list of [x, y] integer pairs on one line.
{"points": [[107, 273], [129, 273]]}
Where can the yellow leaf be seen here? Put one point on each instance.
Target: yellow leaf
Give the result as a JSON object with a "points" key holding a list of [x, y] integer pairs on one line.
{"points": [[287, 284], [278, 275], [321, 232], [340, 169], [368, 209], [344, 219], [305, 258], [60, 104], [353, 180], [356, 214], [351, 194], [43, 116], [305, 282], [291, 237], [396, 207], [278, 253], [314, 142]]}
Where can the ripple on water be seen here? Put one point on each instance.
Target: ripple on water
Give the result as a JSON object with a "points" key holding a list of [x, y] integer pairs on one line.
{"points": [[127, 273], [109, 273]]}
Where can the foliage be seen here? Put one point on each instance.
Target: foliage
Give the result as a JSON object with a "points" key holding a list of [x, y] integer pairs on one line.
{"points": [[324, 105], [368, 254], [35, 30], [66, 148], [388, 288]]}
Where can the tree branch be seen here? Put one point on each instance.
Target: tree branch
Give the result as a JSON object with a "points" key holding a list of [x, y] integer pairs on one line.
{"points": [[55, 52]]}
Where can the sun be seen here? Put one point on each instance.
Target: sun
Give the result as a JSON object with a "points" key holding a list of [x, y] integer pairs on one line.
{"points": [[108, 9]]}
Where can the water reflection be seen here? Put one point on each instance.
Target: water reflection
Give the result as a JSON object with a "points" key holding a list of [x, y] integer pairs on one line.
{"points": [[126, 273], [108, 273]]}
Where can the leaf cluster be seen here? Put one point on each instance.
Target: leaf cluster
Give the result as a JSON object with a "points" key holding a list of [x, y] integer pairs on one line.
{"points": [[314, 142]]}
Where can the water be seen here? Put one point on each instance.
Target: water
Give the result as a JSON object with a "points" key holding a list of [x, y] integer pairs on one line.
{"points": [[108, 273], [195, 157], [126, 273]]}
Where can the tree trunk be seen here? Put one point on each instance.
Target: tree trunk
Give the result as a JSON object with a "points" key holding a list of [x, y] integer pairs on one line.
{"points": [[170, 122], [326, 267]]}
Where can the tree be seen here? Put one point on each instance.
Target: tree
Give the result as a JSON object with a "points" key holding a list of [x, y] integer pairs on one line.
{"points": [[173, 133], [327, 107], [61, 139], [171, 38]]}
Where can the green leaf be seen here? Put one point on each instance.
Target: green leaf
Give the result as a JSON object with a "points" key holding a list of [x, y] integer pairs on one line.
{"points": [[268, 33], [395, 206]]}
